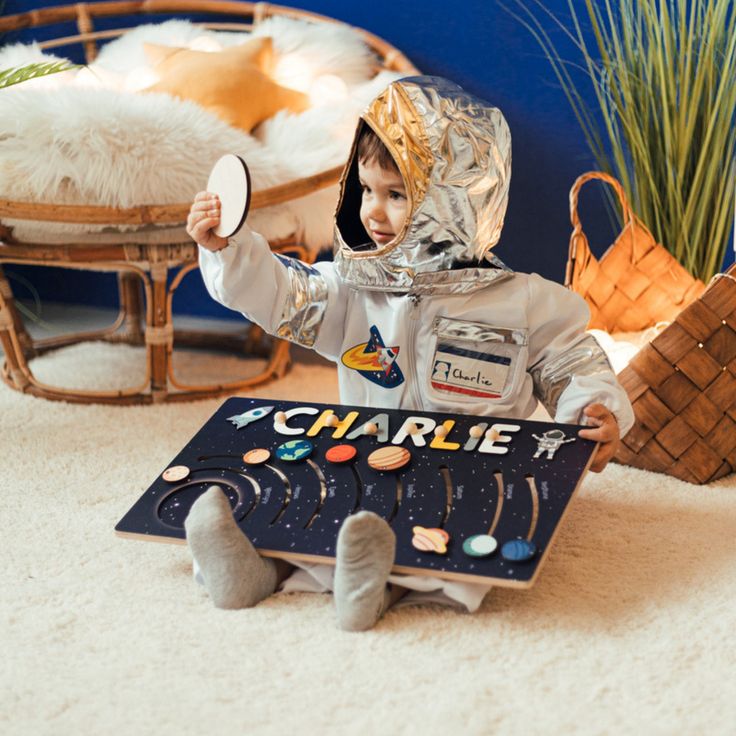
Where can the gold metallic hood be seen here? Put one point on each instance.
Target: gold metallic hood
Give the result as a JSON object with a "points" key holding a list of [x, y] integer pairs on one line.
{"points": [[454, 154]]}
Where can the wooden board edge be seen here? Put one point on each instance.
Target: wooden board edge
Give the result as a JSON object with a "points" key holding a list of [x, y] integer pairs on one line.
{"points": [[316, 559], [560, 521]]}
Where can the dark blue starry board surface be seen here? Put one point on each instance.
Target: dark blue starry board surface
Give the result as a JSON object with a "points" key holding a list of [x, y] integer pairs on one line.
{"points": [[468, 497]]}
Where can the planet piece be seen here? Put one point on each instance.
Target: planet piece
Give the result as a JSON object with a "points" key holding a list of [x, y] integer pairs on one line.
{"points": [[430, 540], [294, 450], [389, 458], [175, 473], [257, 456], [480, 545], [341, 453], [230, 181], [518, 550]]}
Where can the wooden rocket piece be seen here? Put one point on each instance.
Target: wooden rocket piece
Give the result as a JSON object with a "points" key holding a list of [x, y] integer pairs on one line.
{"points": [[230, 181]]}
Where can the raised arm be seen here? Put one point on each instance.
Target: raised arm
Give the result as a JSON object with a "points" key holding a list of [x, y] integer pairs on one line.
{"points": [[286, 297]]}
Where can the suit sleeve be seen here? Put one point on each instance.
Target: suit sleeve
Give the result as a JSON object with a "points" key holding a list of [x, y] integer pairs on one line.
{"points": [[285, 296], [569, 368]]}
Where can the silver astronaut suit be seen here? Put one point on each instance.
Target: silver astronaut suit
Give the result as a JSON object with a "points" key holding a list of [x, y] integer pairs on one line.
{"points": [[433, 291], [454, 153], [435, 288]]}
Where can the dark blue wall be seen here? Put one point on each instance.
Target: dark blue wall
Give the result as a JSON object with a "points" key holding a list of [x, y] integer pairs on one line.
{"points": [[478, 44]]}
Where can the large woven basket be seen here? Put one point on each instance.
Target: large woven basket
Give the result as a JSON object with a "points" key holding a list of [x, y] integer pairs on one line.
{"points": [[682, 383]]}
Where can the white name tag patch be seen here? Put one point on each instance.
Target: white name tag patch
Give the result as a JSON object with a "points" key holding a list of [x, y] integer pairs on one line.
{"points": [[469, 372]]}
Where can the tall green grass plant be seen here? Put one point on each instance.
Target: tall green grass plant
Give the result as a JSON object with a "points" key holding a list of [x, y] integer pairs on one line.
{"points": [[663, 75], [16, 75]]}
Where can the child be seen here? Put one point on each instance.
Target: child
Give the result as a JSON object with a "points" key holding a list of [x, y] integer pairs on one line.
{"points": [[422, 202]]}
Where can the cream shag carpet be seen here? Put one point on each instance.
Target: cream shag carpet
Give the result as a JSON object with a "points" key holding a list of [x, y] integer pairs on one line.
{"points": [[629, 629]]}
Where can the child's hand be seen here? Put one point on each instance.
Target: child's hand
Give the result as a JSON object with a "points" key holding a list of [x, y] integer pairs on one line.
{"points": [[204, 215], [604, 429]]}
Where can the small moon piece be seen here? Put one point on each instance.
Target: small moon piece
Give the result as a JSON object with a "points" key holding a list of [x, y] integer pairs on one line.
{"points": [[440, 431], [175, 473], [430, 539], [341, 454], [294, 450], [389, 458], [476, 432], [257, 456], [518, 550], [480, 545], [370, 428]]}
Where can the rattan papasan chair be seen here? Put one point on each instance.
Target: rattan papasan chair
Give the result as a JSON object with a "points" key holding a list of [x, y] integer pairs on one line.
{"points": [[51, 215]]}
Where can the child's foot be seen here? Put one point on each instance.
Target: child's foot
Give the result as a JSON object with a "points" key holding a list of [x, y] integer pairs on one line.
{"points": [[234, 574], [365, 553]]}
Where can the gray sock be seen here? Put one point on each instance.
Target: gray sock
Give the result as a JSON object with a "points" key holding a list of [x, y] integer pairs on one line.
{"points": [[234, 574], [366, 546]]}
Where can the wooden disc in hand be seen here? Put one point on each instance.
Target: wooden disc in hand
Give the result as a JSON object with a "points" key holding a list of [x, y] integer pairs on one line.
{"points": [[230, 181]]}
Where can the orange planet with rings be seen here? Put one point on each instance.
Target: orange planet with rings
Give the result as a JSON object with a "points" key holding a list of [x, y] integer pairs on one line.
{"points": [[430, 539], [389, 458], [257, 456], [341, 453]]}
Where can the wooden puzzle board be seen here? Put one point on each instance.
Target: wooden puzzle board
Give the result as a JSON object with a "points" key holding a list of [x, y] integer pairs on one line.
{"points": [[293, 510]]}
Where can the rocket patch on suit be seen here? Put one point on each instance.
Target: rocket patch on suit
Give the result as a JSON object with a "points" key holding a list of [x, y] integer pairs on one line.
{"points": [[460, 371], [374, 361]]}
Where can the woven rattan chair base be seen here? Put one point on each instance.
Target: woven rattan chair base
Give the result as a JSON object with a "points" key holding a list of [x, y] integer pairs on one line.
{"points": [[145, 295]]}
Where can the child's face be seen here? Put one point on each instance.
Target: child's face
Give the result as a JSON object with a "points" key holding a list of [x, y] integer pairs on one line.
{"points": [[383, 207]]}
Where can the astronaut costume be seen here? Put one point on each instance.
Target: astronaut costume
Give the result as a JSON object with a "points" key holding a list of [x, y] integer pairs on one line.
{"points": [[430, 321]]}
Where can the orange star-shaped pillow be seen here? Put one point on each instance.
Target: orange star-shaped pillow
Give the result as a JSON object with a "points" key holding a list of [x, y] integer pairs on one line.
{"points": [[234, 84]]}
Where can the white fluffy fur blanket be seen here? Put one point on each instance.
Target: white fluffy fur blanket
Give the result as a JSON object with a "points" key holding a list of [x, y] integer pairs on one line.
{"points": [[88, 137]]}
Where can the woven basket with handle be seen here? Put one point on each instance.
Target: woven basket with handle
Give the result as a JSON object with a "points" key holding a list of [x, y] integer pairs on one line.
{"points": [[637, 282], [682, 383]]}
